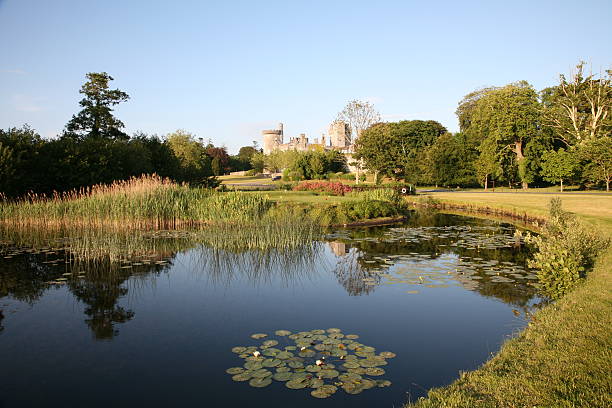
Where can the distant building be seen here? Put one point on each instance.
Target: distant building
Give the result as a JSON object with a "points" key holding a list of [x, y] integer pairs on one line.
{"points": [[339, 139]]}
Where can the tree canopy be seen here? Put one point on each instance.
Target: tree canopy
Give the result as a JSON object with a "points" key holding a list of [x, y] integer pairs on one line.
{"points": [[96, 118]]}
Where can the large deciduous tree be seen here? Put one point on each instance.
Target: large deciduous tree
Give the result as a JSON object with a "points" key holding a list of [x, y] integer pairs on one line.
{"points": [[96, 118], [394, 148], [511, 116], [579, 108]]}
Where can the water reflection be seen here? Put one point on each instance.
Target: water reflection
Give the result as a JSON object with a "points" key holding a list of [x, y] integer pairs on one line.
{"points": [[431, 250]]}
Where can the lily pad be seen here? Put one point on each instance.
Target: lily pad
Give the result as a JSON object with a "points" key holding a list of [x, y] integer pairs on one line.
{"points": [[387, 354], [282, 333], [282, 376], [284, 355], [258, 336], [242, 377], [295, 385], [262, 373], [320, 393], [260, 382], [238, 350], [295, 364], [235, 370], [253, 365], [271, 362], [269, 343], [375, 371]]}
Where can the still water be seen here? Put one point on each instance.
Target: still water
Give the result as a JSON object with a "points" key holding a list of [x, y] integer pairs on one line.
{"points": [[157, 329]]}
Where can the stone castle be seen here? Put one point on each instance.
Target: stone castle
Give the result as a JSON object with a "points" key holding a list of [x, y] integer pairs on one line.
{"points": [[339, 138]]}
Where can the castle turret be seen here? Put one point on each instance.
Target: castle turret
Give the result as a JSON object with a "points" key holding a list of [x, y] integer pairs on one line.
{"points": [[339, 134], [272, 138]]}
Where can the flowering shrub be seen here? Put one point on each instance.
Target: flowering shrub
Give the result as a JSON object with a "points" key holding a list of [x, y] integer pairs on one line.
{"points": [[334, 188]]}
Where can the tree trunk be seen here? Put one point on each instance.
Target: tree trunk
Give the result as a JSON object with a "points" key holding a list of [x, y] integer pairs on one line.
{"points": [[608, 185], [357, 175], [376, 177], [486, 183], [520, 158], [561, 185]]}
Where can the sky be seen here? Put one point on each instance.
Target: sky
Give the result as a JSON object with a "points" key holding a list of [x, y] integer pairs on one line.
{"points": [[225, 70]]}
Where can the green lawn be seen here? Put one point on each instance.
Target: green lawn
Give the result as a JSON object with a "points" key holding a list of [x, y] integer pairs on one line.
{"points": [[305, 197], [564, 357], [245, 180]]}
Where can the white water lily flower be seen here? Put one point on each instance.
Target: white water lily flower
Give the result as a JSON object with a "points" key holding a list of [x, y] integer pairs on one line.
{"points": [[256, 353]]}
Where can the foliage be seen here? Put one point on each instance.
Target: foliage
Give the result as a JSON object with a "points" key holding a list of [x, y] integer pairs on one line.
{"points": [[195, 164], [393, 148], [598, 153], [333, 188], [579, 109], [558, 165], [359, 115], [96, 118], [566, 251], [450, 160], [510, 117]]}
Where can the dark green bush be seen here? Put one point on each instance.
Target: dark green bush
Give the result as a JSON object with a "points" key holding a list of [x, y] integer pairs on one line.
{"points": [[567, 249]]}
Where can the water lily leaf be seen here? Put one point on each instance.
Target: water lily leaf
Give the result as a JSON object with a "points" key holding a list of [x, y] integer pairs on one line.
{"points": [[262, 373], [318, 331], [246, 376], [387, 354], [351, 364], [334, 330], [313, 368], [320, 393], [253, 365], [375, 371], [326, 373], [282, 333], [238, 350], [383, 383], [260, 382], [352, 336], [282, 376], [295, 364], [284, 355], [295, 385], [235, 370], [258, 336], [269, 343], [283, 370], [271, 362], [307, 353], [291, 348]]}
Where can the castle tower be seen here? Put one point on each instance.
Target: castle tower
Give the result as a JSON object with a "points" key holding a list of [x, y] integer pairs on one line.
{"points": [[272, 138], [339, 134]]}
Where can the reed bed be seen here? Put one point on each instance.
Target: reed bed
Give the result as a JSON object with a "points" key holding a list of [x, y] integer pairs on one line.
{"points": [[147, 201]]}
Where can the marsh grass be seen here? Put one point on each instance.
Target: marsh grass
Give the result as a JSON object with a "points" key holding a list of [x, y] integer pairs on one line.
{"points": [[147, 201]]}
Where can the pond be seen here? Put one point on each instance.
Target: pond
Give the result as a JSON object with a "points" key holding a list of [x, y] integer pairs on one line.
{"points": [[388, 312]]}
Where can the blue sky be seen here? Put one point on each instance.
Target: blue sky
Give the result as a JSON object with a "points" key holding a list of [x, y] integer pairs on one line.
{"points": [[225, 70]]}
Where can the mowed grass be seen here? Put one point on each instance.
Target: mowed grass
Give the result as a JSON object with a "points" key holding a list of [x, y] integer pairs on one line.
{"points": [[245, 180], [304, 197], [564, 357]]}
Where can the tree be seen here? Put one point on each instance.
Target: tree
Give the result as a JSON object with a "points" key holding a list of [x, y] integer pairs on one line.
{"points": [[359, 115], [578, 109], [96, 118], [558, 166], [511, 116], [449, 161], [258, 162], [394, 148], [487, 163], [598, 152], [194, 162], [467, 106], [219, 153]]}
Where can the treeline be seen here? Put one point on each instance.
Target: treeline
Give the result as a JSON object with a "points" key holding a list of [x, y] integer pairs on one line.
{"points": [[93, 149], [301, 165], [510, 135]]}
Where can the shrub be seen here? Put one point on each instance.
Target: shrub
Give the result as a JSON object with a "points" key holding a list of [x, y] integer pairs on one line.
{"points": [[567, 249], [251, 172], [334, 188]]}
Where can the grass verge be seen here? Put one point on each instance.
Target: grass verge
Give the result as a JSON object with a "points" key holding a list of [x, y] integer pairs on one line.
{"points": [[563, 358]]}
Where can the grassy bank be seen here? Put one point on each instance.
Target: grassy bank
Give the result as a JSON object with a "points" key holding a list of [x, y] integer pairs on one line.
{"points": [[562, 359]]}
